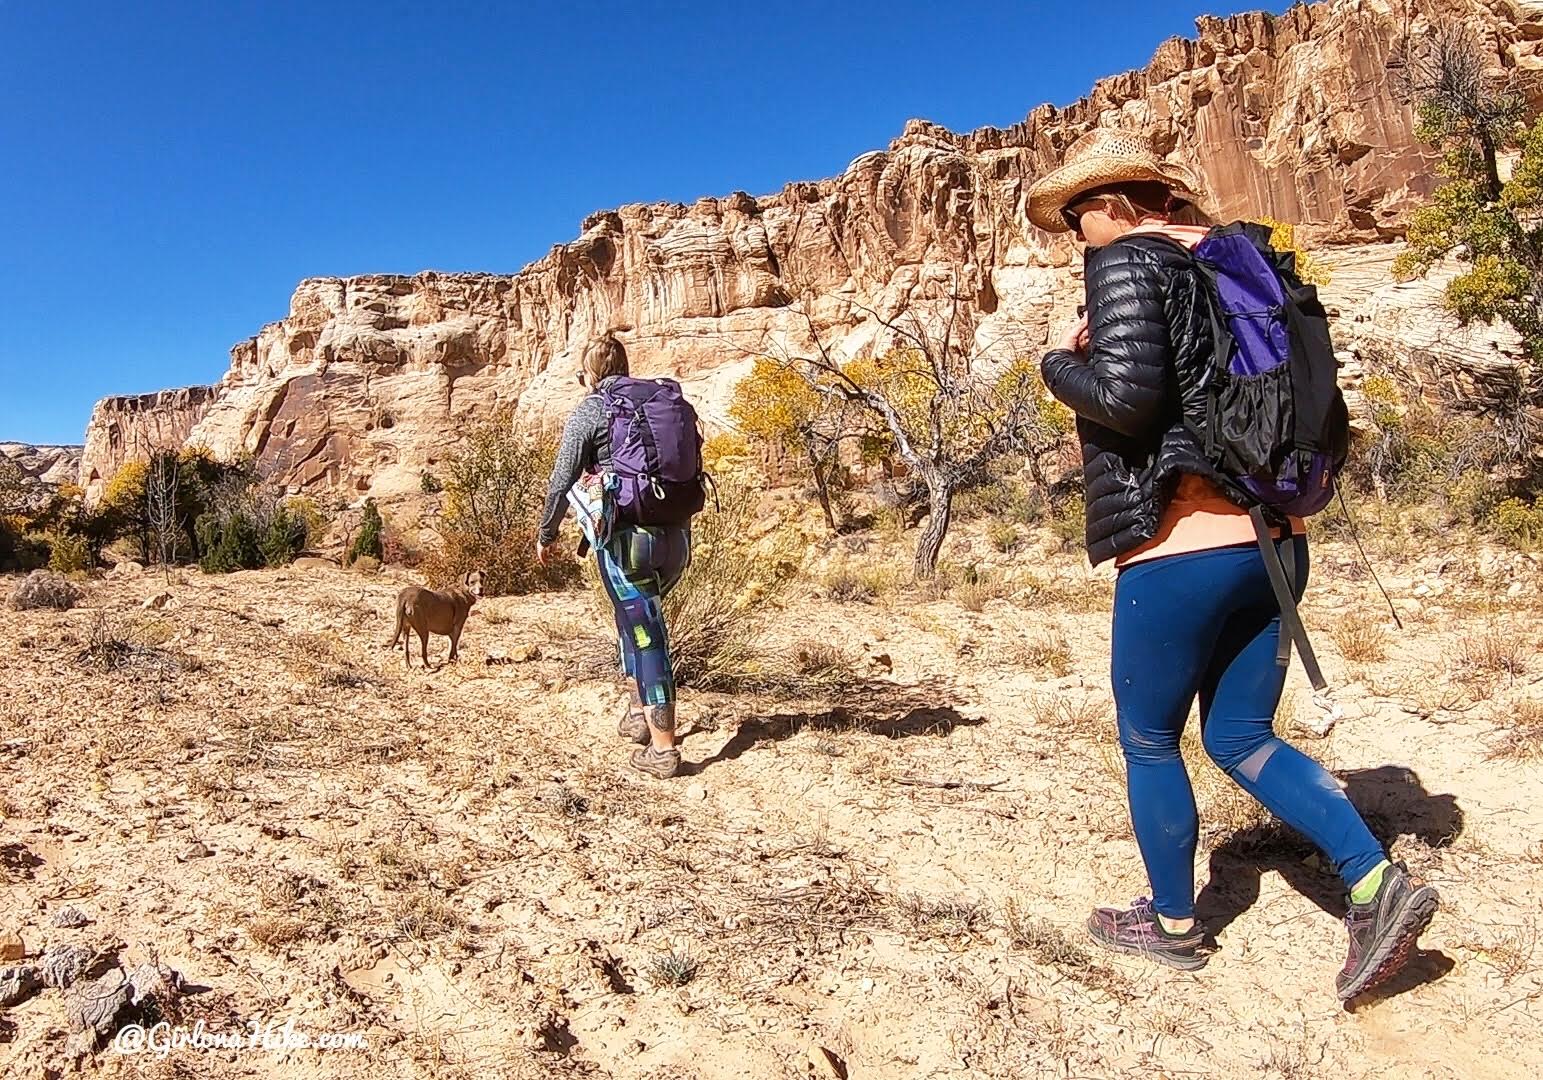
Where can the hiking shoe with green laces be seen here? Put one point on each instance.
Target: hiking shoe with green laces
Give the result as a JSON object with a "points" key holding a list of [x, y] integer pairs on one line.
{"points": [[1384, 931], [633, 726], [1136, 931], [661, 764]]}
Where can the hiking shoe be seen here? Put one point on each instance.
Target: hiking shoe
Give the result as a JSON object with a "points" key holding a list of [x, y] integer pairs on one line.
{"points": [[661, 764], [1384, 931], [633, 727], [1136, 931]]}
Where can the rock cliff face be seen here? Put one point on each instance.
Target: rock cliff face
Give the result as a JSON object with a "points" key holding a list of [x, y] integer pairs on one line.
{"points": [[369, 380]]}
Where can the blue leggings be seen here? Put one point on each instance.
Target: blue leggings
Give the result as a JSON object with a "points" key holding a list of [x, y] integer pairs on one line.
{"points": [[1207, 623], [638, 567]]}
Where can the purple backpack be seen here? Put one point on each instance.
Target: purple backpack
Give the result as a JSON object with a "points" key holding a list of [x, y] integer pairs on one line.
{"points": [[1276, 427], [656, 451], [1276, 422]]}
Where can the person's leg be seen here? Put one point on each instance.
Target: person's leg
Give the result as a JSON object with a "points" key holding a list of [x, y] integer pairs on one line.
{"points": [[1389, 909], [1164, 628], [637, 555], [633, 725], [1238, 699], [1166, 617]]}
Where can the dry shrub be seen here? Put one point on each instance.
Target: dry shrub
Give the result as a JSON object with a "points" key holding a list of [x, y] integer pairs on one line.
{"points": [[951, 917], [855, 584], [420, 914], [495, 491], [1361, 638], [1004, 536], [1050, 946], [45, 589], [976, 589], [717, 612], [1082, 597], [1066, 713], [275, 931], [1494, 650], [1521, 731], [1046, 651]]}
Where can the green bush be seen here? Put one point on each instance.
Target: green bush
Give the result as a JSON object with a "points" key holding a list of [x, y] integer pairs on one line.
{"points": [[228, 542], [1004, 536], [284, 538], [430, 484], [1519, 524], [69, 553], [371, 531]]}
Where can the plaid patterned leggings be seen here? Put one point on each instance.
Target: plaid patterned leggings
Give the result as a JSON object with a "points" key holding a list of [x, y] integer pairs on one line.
{"points": [[638, 567]]}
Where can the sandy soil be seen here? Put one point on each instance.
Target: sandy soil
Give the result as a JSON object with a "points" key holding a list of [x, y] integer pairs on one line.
{"points": [[886, 880]]}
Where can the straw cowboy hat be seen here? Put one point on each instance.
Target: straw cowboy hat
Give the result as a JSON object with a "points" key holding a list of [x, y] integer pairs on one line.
{"points": [[1102, 157]]}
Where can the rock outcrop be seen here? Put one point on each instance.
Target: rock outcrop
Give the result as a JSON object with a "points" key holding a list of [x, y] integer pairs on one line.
{"points": [[47, 466], [129, 428], [369, 380]]}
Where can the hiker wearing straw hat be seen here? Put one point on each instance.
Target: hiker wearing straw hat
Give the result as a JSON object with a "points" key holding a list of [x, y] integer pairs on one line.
{"points": [[1198, 602]]}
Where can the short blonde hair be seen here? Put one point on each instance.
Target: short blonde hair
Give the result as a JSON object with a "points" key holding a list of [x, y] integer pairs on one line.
{"points": [[604, 357]]}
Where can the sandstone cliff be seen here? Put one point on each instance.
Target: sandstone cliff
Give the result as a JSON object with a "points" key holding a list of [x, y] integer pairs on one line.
{"points": [[369, 380]]}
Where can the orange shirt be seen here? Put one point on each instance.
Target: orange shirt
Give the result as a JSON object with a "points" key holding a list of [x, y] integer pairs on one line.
{"points": [[1199, 517]]}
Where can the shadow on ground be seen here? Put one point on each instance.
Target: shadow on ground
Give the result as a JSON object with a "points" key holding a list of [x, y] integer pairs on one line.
{"points": [[878, 709], [1408, 820]]}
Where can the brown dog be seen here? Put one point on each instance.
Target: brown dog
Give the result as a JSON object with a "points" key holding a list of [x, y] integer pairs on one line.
{"points": [[429, 612]]}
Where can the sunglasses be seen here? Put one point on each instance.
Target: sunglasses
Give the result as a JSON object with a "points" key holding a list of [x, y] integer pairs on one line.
{"points": [[1073, 217]]}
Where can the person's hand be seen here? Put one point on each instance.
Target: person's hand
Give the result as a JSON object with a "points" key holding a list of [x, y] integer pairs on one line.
{"points": [[1074, 338], [543, 554]]}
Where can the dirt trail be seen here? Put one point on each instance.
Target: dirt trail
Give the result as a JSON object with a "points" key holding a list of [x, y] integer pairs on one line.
{"points": [[888, 881]]}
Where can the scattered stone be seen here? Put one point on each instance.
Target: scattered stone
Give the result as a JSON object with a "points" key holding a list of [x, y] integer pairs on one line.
{"points": [[126, 568], [157, 602], [69, 918], [526, 653], [881, 662], [696, 793], [63, 965], [11, 946], [17, 984], [92, 1010], [195, 850], [312, 562], [497, 656], [366, 564], [150, 982]]}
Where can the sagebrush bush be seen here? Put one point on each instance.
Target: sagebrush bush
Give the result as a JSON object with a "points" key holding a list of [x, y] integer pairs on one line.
{"points": [[495, 491], [1068, 521], [1004, 537], [718, 610], [1519, 524], [45, 589], [20, 549], [68, 553]]}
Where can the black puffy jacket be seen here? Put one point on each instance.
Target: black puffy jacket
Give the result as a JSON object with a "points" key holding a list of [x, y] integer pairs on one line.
{"points": [[1149, 345]]}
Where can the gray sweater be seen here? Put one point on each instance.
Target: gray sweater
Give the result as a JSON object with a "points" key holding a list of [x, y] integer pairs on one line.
{"points": [[585, 447]]}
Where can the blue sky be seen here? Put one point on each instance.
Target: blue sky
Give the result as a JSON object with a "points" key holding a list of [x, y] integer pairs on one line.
{"points": [[169, 171]]}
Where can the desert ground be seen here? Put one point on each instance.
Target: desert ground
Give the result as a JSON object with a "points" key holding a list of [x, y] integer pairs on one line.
{"points": [[880, 871]]}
